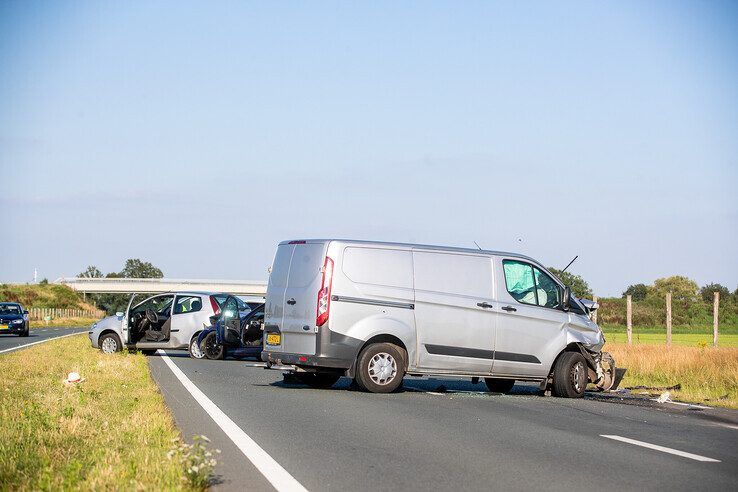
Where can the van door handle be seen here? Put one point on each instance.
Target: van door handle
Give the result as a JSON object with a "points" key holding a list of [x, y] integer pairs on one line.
{"points": [[509, 309], [484, 305], [292, 302]]}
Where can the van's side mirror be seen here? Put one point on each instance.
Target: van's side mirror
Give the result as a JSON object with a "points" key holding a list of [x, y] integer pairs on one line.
{"points": [[565, 298]]}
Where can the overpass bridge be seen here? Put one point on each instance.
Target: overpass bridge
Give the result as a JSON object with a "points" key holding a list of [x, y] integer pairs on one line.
{"points": [[250, 288]]}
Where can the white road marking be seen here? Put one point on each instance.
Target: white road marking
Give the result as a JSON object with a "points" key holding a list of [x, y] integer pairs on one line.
{"points": [[268, 466], [729, 426], [683, 404], [40, 341], [663, 449]]}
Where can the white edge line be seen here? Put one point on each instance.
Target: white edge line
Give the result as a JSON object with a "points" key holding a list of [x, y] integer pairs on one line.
{"points": [[728, 426], [41, 341], [268, 466], [682, 404], [663, 449]]}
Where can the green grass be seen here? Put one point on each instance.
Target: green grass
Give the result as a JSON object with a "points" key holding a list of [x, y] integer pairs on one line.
{"points": [[110, 432], [683, 339], [43, 296]]}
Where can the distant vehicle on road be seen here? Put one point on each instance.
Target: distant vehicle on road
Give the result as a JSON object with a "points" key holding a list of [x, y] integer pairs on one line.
{"points": [[166, 321], [376, 311], [13, 319], [236, 332]]}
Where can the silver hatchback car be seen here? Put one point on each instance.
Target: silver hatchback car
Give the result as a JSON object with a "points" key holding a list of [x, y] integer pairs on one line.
{"points": [[162, 321]]}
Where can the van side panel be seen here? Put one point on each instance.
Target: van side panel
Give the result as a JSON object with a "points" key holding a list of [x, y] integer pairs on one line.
{"points": [[372, 295], [455, 331]]}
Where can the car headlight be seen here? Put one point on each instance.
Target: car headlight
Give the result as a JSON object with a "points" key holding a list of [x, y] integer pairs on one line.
{"points": [[17, 321]]}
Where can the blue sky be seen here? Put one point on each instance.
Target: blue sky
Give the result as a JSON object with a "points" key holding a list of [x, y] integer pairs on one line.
{"points": [[198, 135]]}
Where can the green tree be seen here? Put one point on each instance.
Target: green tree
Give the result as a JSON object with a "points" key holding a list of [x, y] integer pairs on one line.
{"points": [[91, 272], [579, 287], [707, 292], [135, 268], [681, 288], [637, 291]]}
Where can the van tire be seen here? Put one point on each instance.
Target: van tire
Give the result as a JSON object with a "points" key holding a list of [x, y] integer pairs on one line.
{"points": [[570, 375], [497, 385], [319, 380], [380, 354]]}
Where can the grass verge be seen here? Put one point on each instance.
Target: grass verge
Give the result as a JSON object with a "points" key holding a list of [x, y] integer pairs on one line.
{"points": [[706, 375], [699, 340], [64, 323], [110, 432]]}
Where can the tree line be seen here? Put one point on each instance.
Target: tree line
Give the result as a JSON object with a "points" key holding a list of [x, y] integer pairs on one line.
{"points": [[133, 268]]}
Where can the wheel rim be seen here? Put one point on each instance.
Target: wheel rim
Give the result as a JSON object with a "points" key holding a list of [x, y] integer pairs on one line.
{"points": [[577, 374], [209, 346], [382, 368], [195, 349], [109, 345]]}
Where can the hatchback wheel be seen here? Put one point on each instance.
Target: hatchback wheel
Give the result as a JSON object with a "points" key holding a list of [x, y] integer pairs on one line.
{"points": [[380, 368], [195, 349], [110, 343], [570, 375]]}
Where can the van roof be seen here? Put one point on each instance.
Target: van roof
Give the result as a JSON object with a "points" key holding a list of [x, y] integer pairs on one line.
{"points": [[412, 245]]}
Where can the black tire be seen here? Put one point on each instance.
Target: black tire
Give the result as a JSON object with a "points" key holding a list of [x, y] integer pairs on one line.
{"points": [[496, 385], [321, 380], [194, 349], [373, 382], [570, 375], [25, 333], [148, 351], [112, 346], [210, 348]]}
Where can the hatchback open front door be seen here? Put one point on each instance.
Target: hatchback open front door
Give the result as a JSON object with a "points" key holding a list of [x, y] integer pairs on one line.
{"points": [[125, 325]]}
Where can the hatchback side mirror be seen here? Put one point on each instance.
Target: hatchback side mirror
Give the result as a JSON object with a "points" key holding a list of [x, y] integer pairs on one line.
{"points": [[565, 298], [119, 314]]}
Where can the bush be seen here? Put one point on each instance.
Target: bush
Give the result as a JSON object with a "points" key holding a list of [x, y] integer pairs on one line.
{"points": [[637, 292], [707, 293]]}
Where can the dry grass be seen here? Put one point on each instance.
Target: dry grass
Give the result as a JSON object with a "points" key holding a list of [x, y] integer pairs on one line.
{"points": [[707, 375], [64, 323], [110, 432]]}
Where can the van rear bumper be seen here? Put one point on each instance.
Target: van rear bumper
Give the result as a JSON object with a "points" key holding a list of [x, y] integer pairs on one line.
{"points": [[280, 358]]}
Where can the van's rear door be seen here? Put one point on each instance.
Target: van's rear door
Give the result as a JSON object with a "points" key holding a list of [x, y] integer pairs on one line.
{"points": [[274, 303], [292, 297], [301, 298]]}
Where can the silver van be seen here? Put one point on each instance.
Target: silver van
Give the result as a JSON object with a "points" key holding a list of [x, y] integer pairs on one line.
{"points": [[377, 311]]}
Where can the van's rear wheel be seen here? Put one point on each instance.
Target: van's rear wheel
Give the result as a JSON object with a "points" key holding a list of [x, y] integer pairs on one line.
{"points": [[570, 375], [496, 385], [320, 380], [380, 368]]}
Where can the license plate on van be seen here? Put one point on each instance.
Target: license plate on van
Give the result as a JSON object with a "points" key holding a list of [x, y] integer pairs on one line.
{"points": [[274, 338]]}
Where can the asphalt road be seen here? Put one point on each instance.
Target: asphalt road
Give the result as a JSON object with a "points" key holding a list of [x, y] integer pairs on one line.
{"points": [[464, 438], [10, 343]]}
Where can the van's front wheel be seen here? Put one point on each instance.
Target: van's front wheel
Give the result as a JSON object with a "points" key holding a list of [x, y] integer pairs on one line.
{"points": [[570, 375], [380, 368]]}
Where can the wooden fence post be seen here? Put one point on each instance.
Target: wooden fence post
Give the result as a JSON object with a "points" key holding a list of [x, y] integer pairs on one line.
{"points": [[715, 311], [629, 318], [594, 314], [668, 319]]}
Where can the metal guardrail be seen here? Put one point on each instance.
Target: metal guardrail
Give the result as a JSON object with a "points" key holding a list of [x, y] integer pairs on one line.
{"points": [[157, 285]]}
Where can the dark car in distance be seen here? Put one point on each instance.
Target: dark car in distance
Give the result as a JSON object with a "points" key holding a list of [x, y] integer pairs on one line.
{"points": [[13, 319]]}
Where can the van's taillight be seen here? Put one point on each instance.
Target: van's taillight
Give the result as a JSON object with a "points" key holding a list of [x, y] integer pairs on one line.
{"points": [[214, 304], [324, 294]]}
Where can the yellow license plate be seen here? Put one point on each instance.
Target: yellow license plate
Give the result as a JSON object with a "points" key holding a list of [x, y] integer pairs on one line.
{"points": [[4, 327], [274, 339]]}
